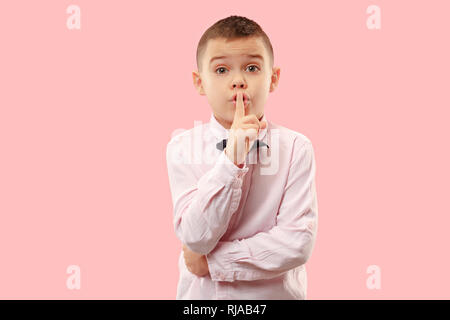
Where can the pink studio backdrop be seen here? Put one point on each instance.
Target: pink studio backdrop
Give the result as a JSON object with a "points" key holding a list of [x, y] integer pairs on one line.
{"points": [[86, 114]]}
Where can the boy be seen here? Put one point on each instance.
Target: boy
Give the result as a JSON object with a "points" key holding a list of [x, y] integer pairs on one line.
{"points": [[246, 233]]}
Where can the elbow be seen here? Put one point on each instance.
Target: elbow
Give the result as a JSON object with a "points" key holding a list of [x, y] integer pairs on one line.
{"points": [[199, 246], [197, 235], [303, 258], [305, 250], [198, 243]]}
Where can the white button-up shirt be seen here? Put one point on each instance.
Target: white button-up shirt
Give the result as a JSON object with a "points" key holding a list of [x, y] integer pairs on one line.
{"points": [[256, 225]]}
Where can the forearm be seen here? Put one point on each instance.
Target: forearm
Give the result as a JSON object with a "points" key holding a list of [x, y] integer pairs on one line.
{"points": [[202, 215], [246, 259]]}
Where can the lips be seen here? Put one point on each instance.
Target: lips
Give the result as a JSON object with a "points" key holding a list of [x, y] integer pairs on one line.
{"points": [[245, 96]]}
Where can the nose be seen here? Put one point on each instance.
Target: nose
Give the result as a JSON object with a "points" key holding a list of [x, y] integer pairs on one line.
{"points": [[239, 83]]}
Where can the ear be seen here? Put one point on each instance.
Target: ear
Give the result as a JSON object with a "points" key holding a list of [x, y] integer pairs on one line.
{"points": [[198, 83], [275, 78]]}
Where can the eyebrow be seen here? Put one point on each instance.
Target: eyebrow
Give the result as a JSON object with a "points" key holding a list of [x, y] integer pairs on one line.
{"points": [[257, 56]]}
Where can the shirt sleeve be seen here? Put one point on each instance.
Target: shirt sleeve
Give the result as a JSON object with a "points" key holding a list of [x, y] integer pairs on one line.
{"points": [[202, 207], [288, 244]]}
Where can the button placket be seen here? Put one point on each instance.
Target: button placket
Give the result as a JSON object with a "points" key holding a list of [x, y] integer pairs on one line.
{"points": [[241, 173], [237, 183]]}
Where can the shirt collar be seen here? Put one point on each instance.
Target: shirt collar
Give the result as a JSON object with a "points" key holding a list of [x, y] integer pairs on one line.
{"points": [[221, 133]]}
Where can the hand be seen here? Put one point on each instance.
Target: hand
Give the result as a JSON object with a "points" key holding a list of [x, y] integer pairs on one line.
{"points": [[196, 263], [243, 133]]}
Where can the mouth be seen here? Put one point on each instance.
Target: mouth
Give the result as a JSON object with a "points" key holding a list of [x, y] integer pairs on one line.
{"points": [[245, 97]]}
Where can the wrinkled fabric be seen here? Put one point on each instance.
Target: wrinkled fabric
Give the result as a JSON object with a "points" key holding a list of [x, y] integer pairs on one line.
{"points": [[256, 227]]}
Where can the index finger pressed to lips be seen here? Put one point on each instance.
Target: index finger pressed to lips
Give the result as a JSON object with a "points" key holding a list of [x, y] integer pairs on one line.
{"points": [[240, 109]]}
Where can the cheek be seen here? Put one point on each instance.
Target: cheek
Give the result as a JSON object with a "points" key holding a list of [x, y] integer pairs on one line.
{"points": [[267, 83], [263, 86]]}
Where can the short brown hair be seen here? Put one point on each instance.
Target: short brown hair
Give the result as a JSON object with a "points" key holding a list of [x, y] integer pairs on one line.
{"points": [[233, 27]]}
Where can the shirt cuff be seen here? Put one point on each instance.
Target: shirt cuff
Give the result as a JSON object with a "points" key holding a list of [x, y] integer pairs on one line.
{"points": [[219, 269], [221, 263], [229, 173]]}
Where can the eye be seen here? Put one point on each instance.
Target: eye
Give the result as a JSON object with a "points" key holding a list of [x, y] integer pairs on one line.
{"points": [[253, 66], [220, 69], [250, 66]]}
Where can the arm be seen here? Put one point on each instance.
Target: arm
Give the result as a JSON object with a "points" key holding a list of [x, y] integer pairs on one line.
{"points": [[288, 244], [195, 262], [202, 208]]}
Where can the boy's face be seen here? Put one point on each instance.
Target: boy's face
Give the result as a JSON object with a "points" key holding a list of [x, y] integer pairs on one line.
{"points": [[220, 79]]}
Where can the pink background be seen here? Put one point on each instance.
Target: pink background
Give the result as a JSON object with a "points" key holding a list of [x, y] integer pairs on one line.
{"points": [[85, 117]]}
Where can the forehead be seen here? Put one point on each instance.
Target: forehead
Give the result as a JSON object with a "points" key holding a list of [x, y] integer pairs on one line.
{"points": [[235, 48]]}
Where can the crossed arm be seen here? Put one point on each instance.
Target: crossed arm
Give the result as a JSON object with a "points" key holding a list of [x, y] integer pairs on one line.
{"points": [[266, 254]]}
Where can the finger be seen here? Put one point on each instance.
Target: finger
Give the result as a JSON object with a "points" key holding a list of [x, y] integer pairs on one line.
{"points": [[245, 126], [253, 119], [240, 110], [252, 134], [244, 134], [250, 125], [250, 131], [263, 124], [250, 118]]}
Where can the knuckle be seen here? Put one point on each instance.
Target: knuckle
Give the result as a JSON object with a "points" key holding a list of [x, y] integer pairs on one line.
{"points": [[250, 118]]}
